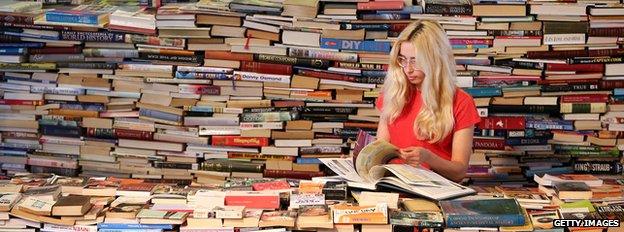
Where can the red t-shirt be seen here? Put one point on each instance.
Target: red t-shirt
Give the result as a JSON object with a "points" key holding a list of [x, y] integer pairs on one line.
{"points": [[401, 130]]}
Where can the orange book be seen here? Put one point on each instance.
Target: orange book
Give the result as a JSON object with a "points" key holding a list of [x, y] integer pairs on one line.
{"points": [[349, 214]]}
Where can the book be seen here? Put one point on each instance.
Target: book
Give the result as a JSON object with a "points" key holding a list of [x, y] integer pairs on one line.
{"points": [[482, 213], [370, 170], [72, 206]]}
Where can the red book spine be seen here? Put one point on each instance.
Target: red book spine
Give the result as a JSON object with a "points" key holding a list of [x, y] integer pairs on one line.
{"points": [[555, 54], [583, 98], [288, 103], [326, 75], [55, 50], [390, 5], [609, 85], [252, 201], [259, 67], [273, 185], [21, 102], [398, 27], [576, 67], [506, 123], [233, 140], [133, 134], [489, 144], [221, 55], [361, 125], [291, 174], [606, 52]]}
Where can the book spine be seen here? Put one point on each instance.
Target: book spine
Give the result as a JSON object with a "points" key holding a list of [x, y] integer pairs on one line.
{"points": [[362, 66], [200, 89], [239, 141], [258, 67], [448, 9], [594, 60], [289, 60], [613, 31], [87, 65], [65, 131], [63, 17], [12, 51], [569, 87], [582, 98], [545, 109], [326, 75], [526, 141], [291, 174], [556, 54], [200, 75], [55, 50], [483, 220], [367, 27], [190, 59], [230, 167], [384, 5], [6, 17], [331, 110], [99, 52], [133, 134], [322, 54], [90, 36], [103, 133], [159, 115], [147, 39], [56, 58], [268, 117], [489, 144], [220, 55], [370, 46]]}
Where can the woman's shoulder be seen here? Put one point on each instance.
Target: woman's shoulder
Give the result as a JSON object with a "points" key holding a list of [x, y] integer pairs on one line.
{"points": [[461, 96]]}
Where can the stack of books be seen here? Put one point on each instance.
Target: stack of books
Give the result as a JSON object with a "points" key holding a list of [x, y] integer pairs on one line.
{"points": [[204, 91], [41, 202]]}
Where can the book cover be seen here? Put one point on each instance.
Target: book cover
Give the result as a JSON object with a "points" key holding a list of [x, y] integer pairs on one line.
{"points": [[482, 213]]}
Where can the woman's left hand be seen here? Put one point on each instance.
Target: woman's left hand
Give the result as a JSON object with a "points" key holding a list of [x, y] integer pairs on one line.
{"points": [[415, 156]]}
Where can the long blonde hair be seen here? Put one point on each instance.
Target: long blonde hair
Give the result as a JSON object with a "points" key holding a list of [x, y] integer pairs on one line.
{"points": [[435, 57]]}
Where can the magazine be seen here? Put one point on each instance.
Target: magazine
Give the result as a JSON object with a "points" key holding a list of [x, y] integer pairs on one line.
{"points": [[370, 171]]}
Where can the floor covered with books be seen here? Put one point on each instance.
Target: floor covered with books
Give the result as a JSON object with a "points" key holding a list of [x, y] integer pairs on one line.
{"points": [[237, 115]]}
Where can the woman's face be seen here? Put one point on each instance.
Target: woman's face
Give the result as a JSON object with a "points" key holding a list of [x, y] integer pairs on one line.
{"points": [[407, 60]]}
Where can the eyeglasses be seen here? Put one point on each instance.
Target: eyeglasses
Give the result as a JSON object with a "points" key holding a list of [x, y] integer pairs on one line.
{"points": [[404, 62]]}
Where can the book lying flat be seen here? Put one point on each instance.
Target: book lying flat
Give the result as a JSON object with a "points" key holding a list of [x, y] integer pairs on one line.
{"points": [[371, 171]]}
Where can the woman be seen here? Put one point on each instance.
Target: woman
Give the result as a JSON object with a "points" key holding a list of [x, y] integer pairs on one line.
{"points": [[423, 112]]}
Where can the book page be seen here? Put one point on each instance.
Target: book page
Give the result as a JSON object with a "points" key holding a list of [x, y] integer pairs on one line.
{"points": [[376, 153], [344, 168]]}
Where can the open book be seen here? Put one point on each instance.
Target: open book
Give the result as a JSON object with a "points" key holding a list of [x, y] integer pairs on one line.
{"points": [[370, 171]]}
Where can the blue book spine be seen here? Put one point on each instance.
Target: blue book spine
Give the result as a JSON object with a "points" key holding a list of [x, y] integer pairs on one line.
{"points": [[134, 226], [618, 91], [23, 45], [20, 34], [356, 45], [484, 220], [549, 124], [526, 141], [159, 115], [12, 51], [308, 161], [207, 109], [64, 17], [484, 91]]}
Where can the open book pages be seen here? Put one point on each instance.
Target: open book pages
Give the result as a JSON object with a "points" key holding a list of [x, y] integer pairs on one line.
{"points": [[371, 171]]}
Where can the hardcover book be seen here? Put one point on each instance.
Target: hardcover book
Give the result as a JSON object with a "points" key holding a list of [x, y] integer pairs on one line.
{"points": [[371, 170], [482, 213]]}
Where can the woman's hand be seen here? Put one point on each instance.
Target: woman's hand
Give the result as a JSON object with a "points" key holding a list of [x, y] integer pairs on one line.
{"points": [[415, 156]]}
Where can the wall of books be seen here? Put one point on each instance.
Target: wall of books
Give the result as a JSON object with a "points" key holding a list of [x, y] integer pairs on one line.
{"points": [[201, 93]]}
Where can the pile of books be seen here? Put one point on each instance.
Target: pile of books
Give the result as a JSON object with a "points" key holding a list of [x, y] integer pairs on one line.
{"points": [[209, 90], [32, 202]]}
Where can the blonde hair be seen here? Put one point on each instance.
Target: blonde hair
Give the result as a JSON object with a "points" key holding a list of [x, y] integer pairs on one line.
{"points": [[435, 58]]}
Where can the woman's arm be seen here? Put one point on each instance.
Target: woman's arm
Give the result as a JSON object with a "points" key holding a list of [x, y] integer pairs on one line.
{"points": [[382, 129], [456, 168]]}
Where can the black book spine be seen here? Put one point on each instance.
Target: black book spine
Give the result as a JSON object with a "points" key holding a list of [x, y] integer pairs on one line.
{"points": [[569, 87], [190, 59], [305, 62], [597, 167], [92, 36], [199, 114], [330, 110], [64, 131], [524, 108]]}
